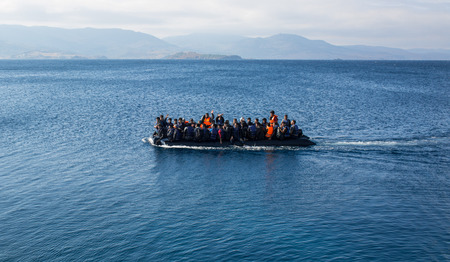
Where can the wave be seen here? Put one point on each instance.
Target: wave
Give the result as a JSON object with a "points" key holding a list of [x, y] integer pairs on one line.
{"points": [[432, 140], [323, 142]]}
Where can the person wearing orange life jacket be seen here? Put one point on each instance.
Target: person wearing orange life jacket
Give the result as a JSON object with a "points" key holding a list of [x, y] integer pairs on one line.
{"points": [[273, 118], [206, 119], [270, 131]]}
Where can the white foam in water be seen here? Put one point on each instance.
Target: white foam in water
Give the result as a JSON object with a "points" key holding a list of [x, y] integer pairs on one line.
{"points": [[405, 142], [367, 143], [245, 147]]}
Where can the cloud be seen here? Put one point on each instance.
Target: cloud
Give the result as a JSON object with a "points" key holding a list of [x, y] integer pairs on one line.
{"points": [[397, 23]]}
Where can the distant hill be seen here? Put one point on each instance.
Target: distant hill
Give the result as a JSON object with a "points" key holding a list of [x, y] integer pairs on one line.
{"points": [[206, 43], [288, 46], [21, 42], [16, 41]]}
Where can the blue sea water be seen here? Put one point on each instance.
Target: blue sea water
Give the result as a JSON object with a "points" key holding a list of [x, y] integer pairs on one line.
{"points": [[77, 183]]}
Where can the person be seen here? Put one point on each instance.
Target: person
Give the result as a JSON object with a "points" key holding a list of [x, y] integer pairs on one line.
{"points": [[251, 131], [270, 131], [221, 134], [259, 132], [170, 133], [198, 133], [164, 120], [282, 131], [220, 120], [234, 122], [206, 134], [286, 121], [214, 133], [180, 123], [275, 129], [256, 121], [295, 130], [273, 118], [158, 135], [228, 130], [169, 122], [249, 122], [244, 129], [177, 134], [287, 133], [236, 135], [157, 122], [189, 133], [264, 122], [206, 119]]}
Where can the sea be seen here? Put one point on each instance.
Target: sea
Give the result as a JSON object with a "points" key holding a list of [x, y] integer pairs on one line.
{"points": [[77, 183]]}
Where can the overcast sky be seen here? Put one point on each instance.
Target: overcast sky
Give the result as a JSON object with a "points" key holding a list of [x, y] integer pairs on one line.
{"points": [[393, 23]]}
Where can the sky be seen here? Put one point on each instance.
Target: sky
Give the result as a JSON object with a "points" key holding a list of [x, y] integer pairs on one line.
{"points": [[392, 23]]}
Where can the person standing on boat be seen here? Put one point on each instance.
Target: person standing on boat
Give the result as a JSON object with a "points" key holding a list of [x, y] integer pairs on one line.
{"points": [[273, 118], [220, 120], [286, 121], [206, 119], [158, 122], [168, 122]]}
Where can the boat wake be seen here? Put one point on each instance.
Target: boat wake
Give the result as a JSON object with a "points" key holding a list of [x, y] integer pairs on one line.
{"points": [[230, 147]]}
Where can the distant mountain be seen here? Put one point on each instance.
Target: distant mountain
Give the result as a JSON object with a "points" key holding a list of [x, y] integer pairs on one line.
{"points": [[16, 41], [21, 42], [288, 46], [206, 43]]}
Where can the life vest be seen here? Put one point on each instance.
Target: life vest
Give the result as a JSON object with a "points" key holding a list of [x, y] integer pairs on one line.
{"points": [[207, 121], [274, 119], [269, 131]]}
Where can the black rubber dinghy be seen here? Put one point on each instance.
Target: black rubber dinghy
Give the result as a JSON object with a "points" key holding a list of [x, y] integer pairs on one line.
{"points": [[293, 142]]}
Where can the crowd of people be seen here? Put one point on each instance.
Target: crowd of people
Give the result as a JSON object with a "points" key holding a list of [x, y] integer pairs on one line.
{"points": [[217, 129]]}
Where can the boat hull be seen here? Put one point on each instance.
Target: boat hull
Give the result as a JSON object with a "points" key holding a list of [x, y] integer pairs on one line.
{"points": [[297, 142]]}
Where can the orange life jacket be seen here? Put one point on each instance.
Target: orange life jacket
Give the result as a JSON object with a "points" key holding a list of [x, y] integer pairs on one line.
{"points": [[269, 131], [207, 121], [274, 119]]}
